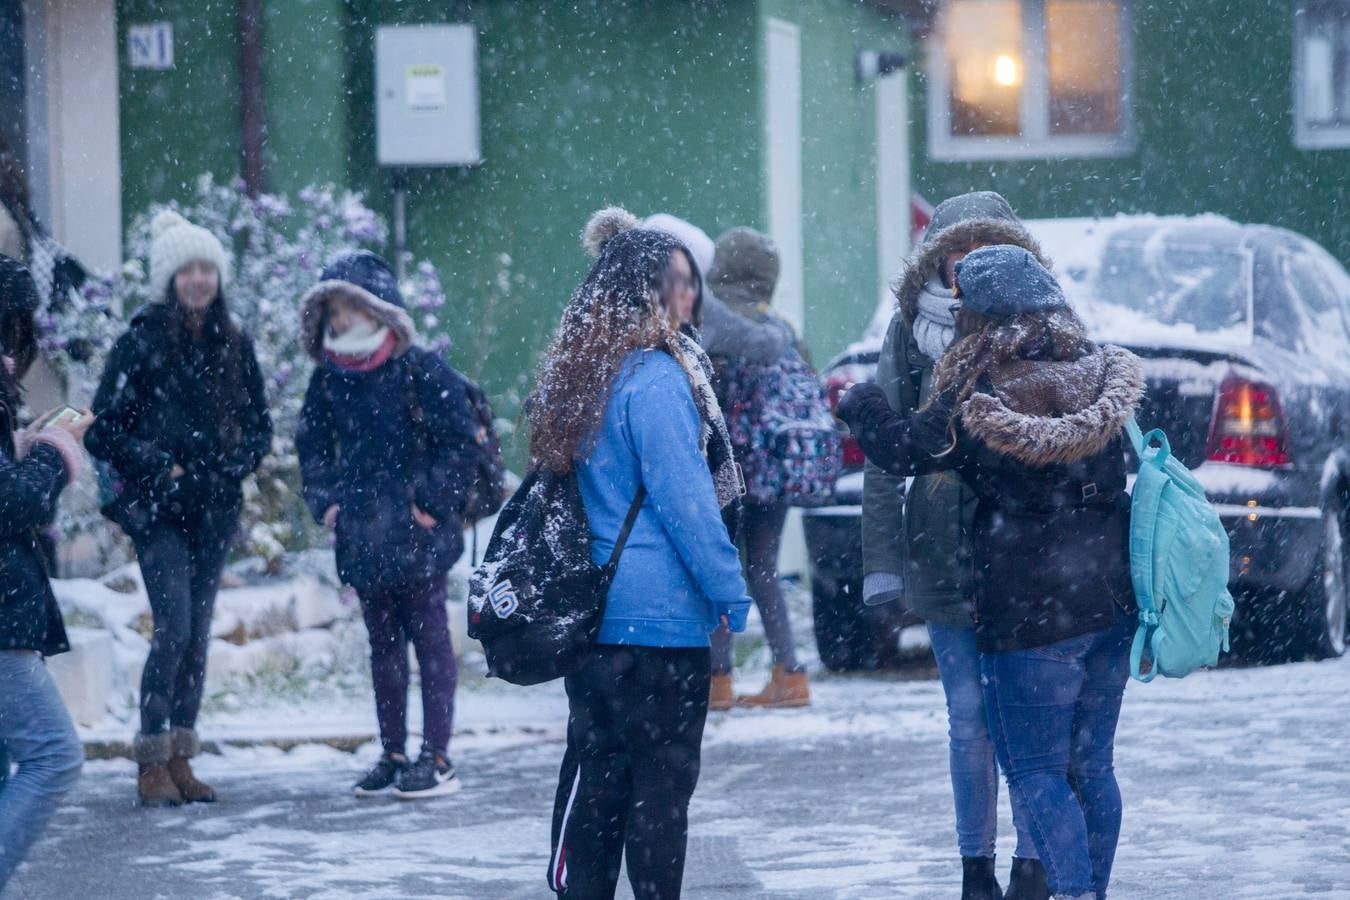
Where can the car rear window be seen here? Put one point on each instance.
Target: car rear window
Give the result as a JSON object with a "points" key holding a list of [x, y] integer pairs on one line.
{"points": [[1163, 286]]}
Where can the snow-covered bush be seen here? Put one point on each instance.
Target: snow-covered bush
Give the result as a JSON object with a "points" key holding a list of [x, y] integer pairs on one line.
{"points": [[279, 245]]}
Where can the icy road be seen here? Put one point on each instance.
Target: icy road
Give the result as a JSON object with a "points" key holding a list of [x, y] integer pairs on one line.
{"points": [[1236, 783]]}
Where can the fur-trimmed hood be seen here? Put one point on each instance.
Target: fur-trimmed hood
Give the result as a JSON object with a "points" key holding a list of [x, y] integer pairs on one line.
{"points": [[979, 218], [365, 279], [1046, 413]]}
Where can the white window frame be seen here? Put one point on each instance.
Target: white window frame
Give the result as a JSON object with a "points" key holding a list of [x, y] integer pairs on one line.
{"points": [[1035, 140], [783, 164], [1309, 137]]}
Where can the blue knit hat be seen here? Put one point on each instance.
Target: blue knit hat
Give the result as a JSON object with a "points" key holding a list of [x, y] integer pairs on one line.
{"points": [[1003, 281], [365, 270]]}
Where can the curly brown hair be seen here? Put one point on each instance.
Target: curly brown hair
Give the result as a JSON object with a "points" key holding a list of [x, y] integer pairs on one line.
{"points": [[617, 309]]}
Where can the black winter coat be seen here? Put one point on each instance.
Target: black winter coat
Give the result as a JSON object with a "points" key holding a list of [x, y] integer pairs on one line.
{"points": [[160, 403], [29, 616], [1042, 449], [374, 443]]}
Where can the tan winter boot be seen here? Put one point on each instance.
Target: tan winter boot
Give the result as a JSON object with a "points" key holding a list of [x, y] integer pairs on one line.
{"points": [[185, 746], [154, 785], [785, 690], [720, 695]]}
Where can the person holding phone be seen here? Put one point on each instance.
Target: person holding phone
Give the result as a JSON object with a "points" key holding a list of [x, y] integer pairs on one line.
{"points": [[183, 420], [35, 466]]}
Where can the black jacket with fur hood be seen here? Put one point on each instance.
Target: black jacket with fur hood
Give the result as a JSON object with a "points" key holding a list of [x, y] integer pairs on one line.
{"points": [[1040, 445]]}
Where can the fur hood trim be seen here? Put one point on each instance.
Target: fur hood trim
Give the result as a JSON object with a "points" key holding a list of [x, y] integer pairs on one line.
{"points": [[923, 264], [394, 317], [1111, 381]]}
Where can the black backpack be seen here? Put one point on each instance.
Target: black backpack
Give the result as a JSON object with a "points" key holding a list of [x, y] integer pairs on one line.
{"points": [[487, 491], [537, 601]]}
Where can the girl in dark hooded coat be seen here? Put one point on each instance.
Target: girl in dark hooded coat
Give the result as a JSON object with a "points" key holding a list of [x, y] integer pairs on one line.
{"points": [[387, 446]]}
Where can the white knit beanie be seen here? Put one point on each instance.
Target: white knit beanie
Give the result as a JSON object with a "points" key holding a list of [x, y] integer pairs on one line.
{"points": [[175, 242]]}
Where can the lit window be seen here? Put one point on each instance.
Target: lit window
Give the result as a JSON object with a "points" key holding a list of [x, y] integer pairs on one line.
{"points": [[1029, 78], [984, 50], [1322, 74]]}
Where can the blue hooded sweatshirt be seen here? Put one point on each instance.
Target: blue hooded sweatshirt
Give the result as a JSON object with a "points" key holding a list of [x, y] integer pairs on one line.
{"points": [[679, 571]]}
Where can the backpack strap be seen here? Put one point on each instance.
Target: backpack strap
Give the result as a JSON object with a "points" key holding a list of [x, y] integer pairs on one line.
{"points": [[629, 521], [1136, 438], [1143, 524]]}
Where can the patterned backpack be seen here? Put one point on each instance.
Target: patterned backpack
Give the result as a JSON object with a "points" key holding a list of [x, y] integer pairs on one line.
{"points": [[782, 430]]}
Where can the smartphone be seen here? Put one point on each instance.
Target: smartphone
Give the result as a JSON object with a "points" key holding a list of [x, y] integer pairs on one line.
{"points": [[67, 414]]}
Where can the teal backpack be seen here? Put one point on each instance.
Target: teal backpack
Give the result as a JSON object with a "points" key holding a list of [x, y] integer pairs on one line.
{"points": [[1178, 563]]}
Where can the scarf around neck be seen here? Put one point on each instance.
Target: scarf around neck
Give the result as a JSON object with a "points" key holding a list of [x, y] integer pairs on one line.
{"points": [[935, 325], [362, 353], [714, 439]]}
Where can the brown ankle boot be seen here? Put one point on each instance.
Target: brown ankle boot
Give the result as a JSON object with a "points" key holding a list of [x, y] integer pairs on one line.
{"points": [[154, 785], [785, 690], [720, 695], [185, 746]]}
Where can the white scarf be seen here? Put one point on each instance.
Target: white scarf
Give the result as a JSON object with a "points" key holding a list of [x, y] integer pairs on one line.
{"points": [[361, 340], [935, 325]]}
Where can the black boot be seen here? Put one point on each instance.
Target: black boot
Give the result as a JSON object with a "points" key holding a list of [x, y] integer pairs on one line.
{"points": [[977, 879], [1027, 881]]}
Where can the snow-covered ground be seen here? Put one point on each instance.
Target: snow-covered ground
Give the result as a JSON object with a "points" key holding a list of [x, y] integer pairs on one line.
{"points": [[1236, 781], [1236, 786]]}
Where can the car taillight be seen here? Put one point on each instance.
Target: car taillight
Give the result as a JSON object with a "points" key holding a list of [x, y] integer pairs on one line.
{"points": [[835, 388], [1248, 427]]}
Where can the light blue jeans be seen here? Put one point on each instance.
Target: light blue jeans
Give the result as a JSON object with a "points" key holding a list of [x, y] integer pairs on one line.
{"points": [[35, 732], [973, 768], [1053, 712]]}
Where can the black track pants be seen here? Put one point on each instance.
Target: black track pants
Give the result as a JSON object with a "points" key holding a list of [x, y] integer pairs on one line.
{"points": [[632, 761]]}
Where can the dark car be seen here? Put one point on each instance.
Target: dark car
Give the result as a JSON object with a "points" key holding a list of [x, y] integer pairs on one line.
{"points": [[1244, 331]]}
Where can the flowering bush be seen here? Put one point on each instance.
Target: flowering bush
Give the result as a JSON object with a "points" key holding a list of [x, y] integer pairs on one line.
{"points": [[279, 247]]}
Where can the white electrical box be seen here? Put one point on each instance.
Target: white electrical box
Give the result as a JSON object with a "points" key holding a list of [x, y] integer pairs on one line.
{"points": [[426, 95]]}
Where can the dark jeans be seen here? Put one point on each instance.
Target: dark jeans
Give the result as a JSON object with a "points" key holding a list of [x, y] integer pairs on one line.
{"points": [[1052, 714], [762, 534], [181, 564], [634, 739], [394, 616]]}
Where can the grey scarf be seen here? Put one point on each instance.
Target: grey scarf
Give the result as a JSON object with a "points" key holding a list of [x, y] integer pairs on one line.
{"points": [[935, 325], [714, 439]]}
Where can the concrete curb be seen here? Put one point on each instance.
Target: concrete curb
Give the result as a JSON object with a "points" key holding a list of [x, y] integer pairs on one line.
{"points": [[347, 743]]}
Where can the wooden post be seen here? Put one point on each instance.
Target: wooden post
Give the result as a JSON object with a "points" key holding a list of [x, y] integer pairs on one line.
{"points": [[252, 97]]}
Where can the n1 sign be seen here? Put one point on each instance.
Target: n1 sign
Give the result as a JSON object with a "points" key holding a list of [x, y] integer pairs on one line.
{"points": [[426, 95]]}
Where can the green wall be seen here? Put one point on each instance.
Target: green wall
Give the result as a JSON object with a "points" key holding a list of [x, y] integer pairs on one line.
{"points": [[181, 122], [305, 70], [839, 203], [1213, 112], [582, 105], [655, 106]]}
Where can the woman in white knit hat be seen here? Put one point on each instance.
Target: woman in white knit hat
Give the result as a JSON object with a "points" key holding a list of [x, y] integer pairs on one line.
{"points": [[182, 421]]}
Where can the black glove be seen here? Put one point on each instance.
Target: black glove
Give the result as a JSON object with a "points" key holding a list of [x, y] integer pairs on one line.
{"points": [[862, 404]]}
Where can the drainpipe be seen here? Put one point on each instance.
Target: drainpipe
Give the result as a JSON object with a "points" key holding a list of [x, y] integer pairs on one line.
{"points": [[252, 96]]}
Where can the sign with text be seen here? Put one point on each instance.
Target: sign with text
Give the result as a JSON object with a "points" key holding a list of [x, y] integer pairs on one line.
{"points": [[150, 46]]}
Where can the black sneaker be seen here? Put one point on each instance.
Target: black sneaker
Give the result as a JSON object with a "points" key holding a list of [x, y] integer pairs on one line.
{"points": [[382, 776], [431, 776]]}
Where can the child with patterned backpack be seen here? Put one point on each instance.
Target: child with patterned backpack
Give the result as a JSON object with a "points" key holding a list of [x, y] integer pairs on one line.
{"points": [[785, 441]]}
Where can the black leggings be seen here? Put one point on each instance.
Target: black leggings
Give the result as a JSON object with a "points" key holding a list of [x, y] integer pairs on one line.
{"points": [[395, 616], [181, 564], [634, 739]]}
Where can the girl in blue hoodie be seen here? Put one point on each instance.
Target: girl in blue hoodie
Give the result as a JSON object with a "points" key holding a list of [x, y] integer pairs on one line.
{"points": [[625, 399]]}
